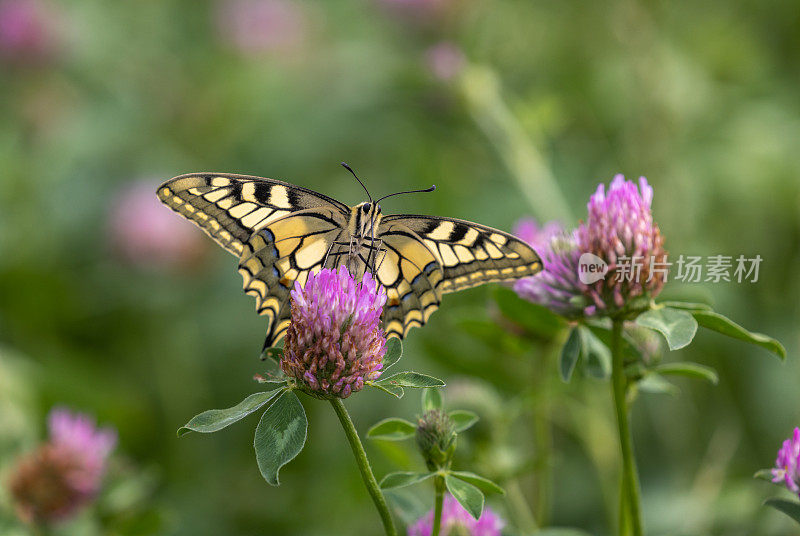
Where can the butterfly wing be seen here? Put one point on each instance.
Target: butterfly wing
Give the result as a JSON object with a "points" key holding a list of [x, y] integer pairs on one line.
{"points": [[412, 277], [282, 252], [229, 208], [470, 254]]}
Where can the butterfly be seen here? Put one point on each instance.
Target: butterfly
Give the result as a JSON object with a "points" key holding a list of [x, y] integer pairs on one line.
{"points": [[281, 232]]}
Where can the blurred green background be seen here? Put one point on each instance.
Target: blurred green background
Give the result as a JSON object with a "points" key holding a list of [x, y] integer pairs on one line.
{"points": [[112, 305]]}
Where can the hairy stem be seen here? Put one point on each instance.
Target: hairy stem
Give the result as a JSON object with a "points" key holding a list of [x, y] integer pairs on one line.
{"points": [[543, 434], [437, 505], [364, 467], [630, 478]]}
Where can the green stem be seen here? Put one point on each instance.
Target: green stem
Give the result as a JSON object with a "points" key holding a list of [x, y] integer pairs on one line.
{"points": [[41, 528], [524, 518], [364, 466], [624, 523], [630, 478], [543, 435], [437, 506]]}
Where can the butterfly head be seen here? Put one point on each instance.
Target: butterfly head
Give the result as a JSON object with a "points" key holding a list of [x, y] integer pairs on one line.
{"points": [[367, 215]]}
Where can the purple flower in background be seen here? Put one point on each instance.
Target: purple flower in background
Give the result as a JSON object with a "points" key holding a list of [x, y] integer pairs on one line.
{"points": [[620, 230], [444, 60], [334, 342], [456, 521], [787, 465], [261, 26], [557, 286], [64, 474], [146, 234], [27, 29], [421, 11]]}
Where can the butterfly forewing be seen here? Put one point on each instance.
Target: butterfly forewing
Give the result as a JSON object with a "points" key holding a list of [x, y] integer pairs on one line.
{"points": [[229, 208]]}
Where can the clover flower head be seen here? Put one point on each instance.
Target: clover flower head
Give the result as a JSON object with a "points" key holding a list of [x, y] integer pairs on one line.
{"points": [[335, 343], [64, 474], [436, 437], [146, 235], [620, 230], [456, 521], [258, 27], [557, 286], [445, 60], [28, 30], [787, 465]]}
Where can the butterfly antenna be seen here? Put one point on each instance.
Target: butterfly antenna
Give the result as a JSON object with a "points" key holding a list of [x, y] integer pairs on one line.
{"points": [[432, 188], [348, 168]]}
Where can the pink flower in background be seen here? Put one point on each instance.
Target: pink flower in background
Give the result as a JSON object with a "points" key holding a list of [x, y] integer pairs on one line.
{"points": [[620, 229], [422, 11], [444, 60], [145, 233], [261, 26], [456, 521], [334, 342], [787, 465], [64, 474], [27, 29], [557, 286]]}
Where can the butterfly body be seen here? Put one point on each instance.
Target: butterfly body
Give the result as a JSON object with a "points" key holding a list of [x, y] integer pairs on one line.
{"points": [[281, 233], [362, 246]]}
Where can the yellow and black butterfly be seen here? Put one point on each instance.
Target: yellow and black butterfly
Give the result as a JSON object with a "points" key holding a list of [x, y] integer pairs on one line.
{"points": [[281, 233]]}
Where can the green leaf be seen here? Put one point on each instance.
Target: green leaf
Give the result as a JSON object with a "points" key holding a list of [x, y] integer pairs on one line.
{"points": [[275, 353], [560, 531], [483, 484], [392, 429], [402, 479], [692, 370], [720, 324], [463, 419], [217, 419], [686, 306], [765, 474], [596, 355], [394, 390], [470, 497], [431, 399], [653, 383], [407, 503], [790, 508], [280, 435], [270, 382], [630, 353], [570, 354], [394, 351], [533, 318], [411, 379], [678, 327]]}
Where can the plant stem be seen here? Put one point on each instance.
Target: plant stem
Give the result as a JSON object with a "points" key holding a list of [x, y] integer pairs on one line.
{"points": [[543, 435], [630, 478], [624, 524], [525, 521], [364, 466], [438, 482]]}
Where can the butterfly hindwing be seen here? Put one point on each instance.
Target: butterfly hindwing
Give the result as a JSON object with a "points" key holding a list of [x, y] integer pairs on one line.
{"points": [[229, 208], [470, 254], [283, 252], [412, 277]]}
